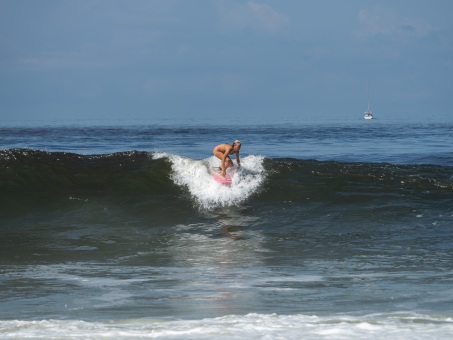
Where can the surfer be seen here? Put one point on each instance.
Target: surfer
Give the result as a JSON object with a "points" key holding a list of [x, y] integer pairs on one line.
{"points": [[223, 152]]}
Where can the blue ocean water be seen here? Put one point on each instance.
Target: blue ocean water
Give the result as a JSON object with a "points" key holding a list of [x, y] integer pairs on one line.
{"points": [[330, 230], [413, 142]]}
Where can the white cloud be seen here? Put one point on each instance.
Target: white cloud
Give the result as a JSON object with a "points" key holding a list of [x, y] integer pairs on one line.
{"points": [[417, 27], [259, 17], [382, 22]]}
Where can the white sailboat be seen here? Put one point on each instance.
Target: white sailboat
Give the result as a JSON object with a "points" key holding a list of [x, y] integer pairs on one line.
{"points": [[368, 114]]}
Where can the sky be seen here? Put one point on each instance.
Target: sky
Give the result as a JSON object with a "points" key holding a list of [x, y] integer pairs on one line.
{"points": [[225, 60]]}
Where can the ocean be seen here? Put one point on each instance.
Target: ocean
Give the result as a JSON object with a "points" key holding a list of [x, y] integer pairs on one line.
{"points": [[330, 230]]}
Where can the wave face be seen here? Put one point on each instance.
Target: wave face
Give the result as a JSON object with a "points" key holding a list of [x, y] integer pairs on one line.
{"points": [[28, 171], [34, 177]]}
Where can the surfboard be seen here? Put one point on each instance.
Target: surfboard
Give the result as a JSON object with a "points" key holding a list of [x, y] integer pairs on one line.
{"points": [[224, 180]]}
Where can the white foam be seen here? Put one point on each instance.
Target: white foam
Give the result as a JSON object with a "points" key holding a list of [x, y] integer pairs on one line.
{"points": [[197, 177], [251, 326]]}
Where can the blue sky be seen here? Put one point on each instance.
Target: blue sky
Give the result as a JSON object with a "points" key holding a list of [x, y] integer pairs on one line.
{"points": [[224, 59]]}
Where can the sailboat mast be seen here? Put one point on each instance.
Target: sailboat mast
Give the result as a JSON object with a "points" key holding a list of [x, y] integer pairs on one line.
{"points": [[368, 88]]}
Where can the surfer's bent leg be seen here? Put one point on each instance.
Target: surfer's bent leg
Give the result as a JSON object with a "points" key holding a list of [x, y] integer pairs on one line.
{"points": [[228, 163], [219, 155]]}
